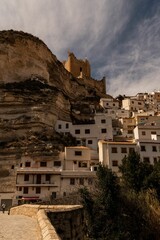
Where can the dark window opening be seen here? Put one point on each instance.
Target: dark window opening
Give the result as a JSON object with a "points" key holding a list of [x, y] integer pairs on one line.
{"points": [[38, 190], [81, 181], [146, 159], [143, 148], [26, 177], [78, 153], [154, 149], [87, 131], [123, 150], [77, 131], [155, 160], [114, 150], [72, 181], [103, 130], [131, 150], [90, 181], [43, 164], [48, 177], [90, 141], [114, 163], [54, 195], [27, 164], [57, 163], [25, 190], [103, 120]]}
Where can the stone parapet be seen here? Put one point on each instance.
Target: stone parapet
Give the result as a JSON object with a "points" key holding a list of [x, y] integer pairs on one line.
{"points": [[60, 215], [48, 232]]}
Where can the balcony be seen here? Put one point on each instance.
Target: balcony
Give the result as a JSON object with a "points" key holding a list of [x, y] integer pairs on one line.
{"points": [[33, 184]]}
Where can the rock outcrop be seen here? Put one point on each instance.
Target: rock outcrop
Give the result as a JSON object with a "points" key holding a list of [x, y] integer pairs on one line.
{"points": [[35, 91]]}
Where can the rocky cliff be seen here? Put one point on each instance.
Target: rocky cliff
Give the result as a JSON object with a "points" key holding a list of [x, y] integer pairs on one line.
{"points": [[35, 91]]}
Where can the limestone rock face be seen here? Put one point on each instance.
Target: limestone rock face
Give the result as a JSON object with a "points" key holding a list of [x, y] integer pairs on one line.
{"points": [[35, 91]]}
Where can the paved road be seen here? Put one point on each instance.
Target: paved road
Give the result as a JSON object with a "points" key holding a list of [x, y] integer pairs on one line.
{"points": [[17, 227]]}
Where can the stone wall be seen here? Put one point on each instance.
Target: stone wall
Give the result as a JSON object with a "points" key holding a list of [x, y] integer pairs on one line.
{"points": [[68, 224], [55, 221]]}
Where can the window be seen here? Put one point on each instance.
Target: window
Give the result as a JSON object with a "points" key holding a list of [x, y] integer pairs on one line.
{"points": [[78, 142], [72, 181], [103, 130], [90, 181], [57, 163], [154, 149], [131, 150], [59, 126], [143, 148], [78, 153], [43, 164], [113, 104], [26, 177], [77, 131], [123, 150], [20, 164], [103, 120], [54, 194], [48, 177], [87, 131], [90, 141], [95, 168], [143, 133], [27, 164], [82, 164], [139, 103], [67, 125], [38, 190], [81, 181], [25, 190], [114, 150], [146, 159], [114, 163], [153, 132], [130, 131], [12, 167], [155, 160]]}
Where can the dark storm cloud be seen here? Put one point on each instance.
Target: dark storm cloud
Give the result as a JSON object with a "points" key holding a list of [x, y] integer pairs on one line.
{"points": [[119, 37]]}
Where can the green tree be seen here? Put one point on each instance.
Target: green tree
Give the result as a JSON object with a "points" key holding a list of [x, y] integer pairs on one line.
{"points": [[117, 213], [102, 206], [135, 172], [153, 179]]}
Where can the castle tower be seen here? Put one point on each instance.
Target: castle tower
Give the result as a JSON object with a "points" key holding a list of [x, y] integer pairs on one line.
{"points": [[78, 67]]}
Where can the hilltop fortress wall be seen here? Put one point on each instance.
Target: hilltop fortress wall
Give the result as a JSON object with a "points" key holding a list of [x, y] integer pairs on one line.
{"points": [[81, 69]]}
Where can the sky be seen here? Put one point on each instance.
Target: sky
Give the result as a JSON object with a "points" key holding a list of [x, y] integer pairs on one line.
{"points": [[120, 38]]}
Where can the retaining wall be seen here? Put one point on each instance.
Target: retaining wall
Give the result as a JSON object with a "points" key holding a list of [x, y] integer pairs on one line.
{"points": [[55, 221]]}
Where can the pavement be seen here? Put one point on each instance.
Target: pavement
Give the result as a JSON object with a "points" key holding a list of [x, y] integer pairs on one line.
{"points": [[18, 227]]}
